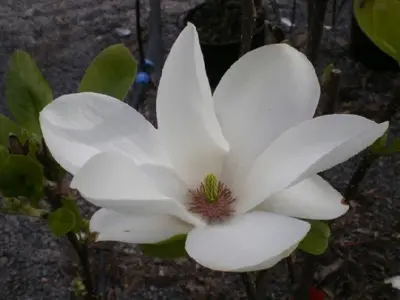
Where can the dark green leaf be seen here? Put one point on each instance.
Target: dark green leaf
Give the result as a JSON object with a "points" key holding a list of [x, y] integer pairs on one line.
{"points": [[394, 147], [61, 221], [8, 127], [70, 204], [111, 73], [3, 155], [21, 176], [171, 248], [380, 144], [27, 92], [33, 148], [317, 239]]}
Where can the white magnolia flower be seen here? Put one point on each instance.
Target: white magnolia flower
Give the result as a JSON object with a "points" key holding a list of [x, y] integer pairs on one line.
{"points": [[394, 281], [234, 170]]}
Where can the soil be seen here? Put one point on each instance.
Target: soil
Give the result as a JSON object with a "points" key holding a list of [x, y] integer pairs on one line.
{"points": [[63, 37]]}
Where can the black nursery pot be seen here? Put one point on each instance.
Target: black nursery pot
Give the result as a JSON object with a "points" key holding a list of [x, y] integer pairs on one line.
{"points": [[363, 50], [219, 57]]}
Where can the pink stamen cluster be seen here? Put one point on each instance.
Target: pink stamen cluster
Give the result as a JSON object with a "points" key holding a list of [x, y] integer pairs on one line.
{"points": [[212, 212]]}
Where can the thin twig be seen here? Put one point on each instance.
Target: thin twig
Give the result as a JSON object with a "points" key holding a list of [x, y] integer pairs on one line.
{"points": [[289, 265], [293, 16], [260, 283], [307, 278], [330, 91], [314, 35], [334, 7], [248, 21], [338, 10], [139, 33], [310, 12], [394, 104], [352, 189], [249, 285], [81, 250]]}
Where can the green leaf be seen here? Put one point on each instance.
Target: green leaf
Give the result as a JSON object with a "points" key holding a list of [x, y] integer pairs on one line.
{"points": [[379, 21], [316, 240], [8, 127], [394, 147], [112, 73], [21, 176], [326, 75], [61, 221], [380, 144], [70, 204], [3, 155], [27, 92], [171, 248]]}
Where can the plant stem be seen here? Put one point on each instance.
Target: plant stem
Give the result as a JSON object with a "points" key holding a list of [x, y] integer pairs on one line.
{"points": [[260, 280], [394, 104], [249, 285], [82, 251], [54, 199], [248, 20], [353, 186], [310, 12], [289, 265], [293, 16], [330, 91], [307, 277], [316, 17]]}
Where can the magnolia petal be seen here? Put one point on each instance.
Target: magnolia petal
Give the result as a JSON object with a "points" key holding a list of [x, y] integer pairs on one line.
{"points": [[115, 182], [304, 150], [249, 240], [133, 228], [313, 198], [166, 181], [185, 112], [77, 126], [265, 92], [271, 262]]}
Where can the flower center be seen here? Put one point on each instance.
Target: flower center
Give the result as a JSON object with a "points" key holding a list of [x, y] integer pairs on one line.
{"points": [[212, 200]]}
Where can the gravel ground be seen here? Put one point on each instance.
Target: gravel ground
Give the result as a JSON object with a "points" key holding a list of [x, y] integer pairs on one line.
{"points": [[63, 37]]}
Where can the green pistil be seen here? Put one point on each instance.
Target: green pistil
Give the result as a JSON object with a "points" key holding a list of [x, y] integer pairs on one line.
{"points": [[211, 188]]}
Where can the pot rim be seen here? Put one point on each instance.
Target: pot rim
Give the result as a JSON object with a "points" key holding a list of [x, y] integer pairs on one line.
{"points": [[182, 21]]}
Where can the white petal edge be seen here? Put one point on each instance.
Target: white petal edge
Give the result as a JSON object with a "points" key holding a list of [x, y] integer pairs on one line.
{"points": [[305, 150], [77, 126], [394, 281], [313, 198], [271, 262], [264, 93], [185, 112], [255, 239], [136, 229], [113, 181]]}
